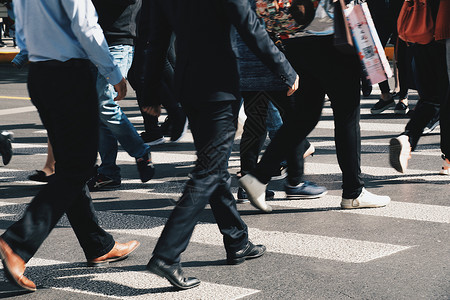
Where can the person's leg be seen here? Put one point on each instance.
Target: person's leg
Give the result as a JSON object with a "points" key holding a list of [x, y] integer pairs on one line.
{"points": [[274, 120], [403, 60], [48, 170], [300, 114], [342, 86], [213, 128], [432, 79], [75, 147], [116, 127], [445, 121], [254, 134], [5, 146]]}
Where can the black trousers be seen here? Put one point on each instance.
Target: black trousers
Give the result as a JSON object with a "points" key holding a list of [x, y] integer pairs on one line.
{"points": [[432, 77], [213, 125], [322, 70], [65, 96], [255, 132]]}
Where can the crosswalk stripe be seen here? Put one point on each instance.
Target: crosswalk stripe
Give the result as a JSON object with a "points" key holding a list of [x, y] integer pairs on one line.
{"points": [[299, 244], [380, 172], [367, 126], [17, 110], [125, 284], [316, 246], [395, 209]]}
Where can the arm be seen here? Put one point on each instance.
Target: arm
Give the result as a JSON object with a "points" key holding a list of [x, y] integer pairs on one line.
{"points": [[85, 27], [20, 38], [257, 39], [156, 51]]}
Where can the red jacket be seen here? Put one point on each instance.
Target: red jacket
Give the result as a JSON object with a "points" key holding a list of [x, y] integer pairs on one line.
{"points": [[442, 29]]}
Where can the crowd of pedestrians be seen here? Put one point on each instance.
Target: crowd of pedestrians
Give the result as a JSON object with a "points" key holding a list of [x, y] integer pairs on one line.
{"points": [[278, 58]]}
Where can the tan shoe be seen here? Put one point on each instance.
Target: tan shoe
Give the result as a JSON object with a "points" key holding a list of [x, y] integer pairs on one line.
{"points": [[118, 252], [14, 267]]}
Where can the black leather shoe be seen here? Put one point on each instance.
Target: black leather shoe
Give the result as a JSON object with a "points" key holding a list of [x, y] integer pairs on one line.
{"points": [[248, 252], [173, 273]]}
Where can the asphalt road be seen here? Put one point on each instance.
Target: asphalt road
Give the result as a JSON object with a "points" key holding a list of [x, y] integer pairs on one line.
{"points": [[315, 249]]}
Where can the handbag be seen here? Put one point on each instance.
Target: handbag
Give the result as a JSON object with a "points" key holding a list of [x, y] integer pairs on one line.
{"points": [[415, 23], [343, 40]]}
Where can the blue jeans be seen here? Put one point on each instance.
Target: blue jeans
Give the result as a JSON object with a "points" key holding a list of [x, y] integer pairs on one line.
{"points": [[273, 121], [114, 124]]}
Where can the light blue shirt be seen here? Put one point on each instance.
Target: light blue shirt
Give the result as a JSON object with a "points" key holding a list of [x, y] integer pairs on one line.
{"points": [[62, 30]]}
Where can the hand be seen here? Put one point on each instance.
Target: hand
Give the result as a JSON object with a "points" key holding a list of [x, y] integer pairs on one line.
{"points": [[121, 89], [294, 87], [154, 110]]}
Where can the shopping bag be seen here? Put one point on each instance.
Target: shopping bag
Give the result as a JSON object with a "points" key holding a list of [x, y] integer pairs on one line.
{"points": [[368, 45]]}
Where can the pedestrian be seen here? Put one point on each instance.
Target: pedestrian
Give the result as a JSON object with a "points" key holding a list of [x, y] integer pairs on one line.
{"points": [[433, 81], [153, 133], [59, 37], [323, 69], [118, 21], [261, 89], [207, 84]]}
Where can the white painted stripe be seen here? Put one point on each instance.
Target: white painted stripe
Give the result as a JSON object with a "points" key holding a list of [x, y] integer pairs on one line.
{"points": [[323, 247], [400, 210], [27, 145], [367, 126], [409, 175], [423, 152], [161, 157], [17, 110], [139, 285]]}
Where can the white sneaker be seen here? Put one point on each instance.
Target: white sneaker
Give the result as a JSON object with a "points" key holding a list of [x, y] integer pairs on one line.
{"points": [[445, 167], [366, 199], [400, 153], [256, 192]]}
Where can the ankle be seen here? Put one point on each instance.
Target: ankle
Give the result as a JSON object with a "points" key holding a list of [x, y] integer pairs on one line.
{"points": [[386, 96], [48, 171]]}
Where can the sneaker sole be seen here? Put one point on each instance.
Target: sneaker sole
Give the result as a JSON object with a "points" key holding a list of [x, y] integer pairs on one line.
{"points": [[240, 260], [157, 142], [379, 111], [182, 133], [242, 201], [282, 176], [344, 206], [293, 197], [395, 150], [401, 112], [429, 130], [104, 188]]}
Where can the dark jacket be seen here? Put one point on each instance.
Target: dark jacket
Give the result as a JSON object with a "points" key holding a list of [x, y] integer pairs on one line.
{"points": [[118, 20], [206, 67]]}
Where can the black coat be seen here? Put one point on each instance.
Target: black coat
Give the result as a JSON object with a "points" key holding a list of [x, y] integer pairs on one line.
{"points": [[206, 67]]}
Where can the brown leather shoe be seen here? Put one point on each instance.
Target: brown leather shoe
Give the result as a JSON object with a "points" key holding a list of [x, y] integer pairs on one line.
{"points": [[119, 252], [14, 267]]}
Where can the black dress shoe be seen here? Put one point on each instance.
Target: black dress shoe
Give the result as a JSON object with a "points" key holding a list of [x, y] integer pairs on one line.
{"points": [[248, 252], [173, 273]]}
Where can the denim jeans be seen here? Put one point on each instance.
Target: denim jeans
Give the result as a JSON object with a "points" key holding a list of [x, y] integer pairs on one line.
{"points": [[114, 124], [274, 120]]}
